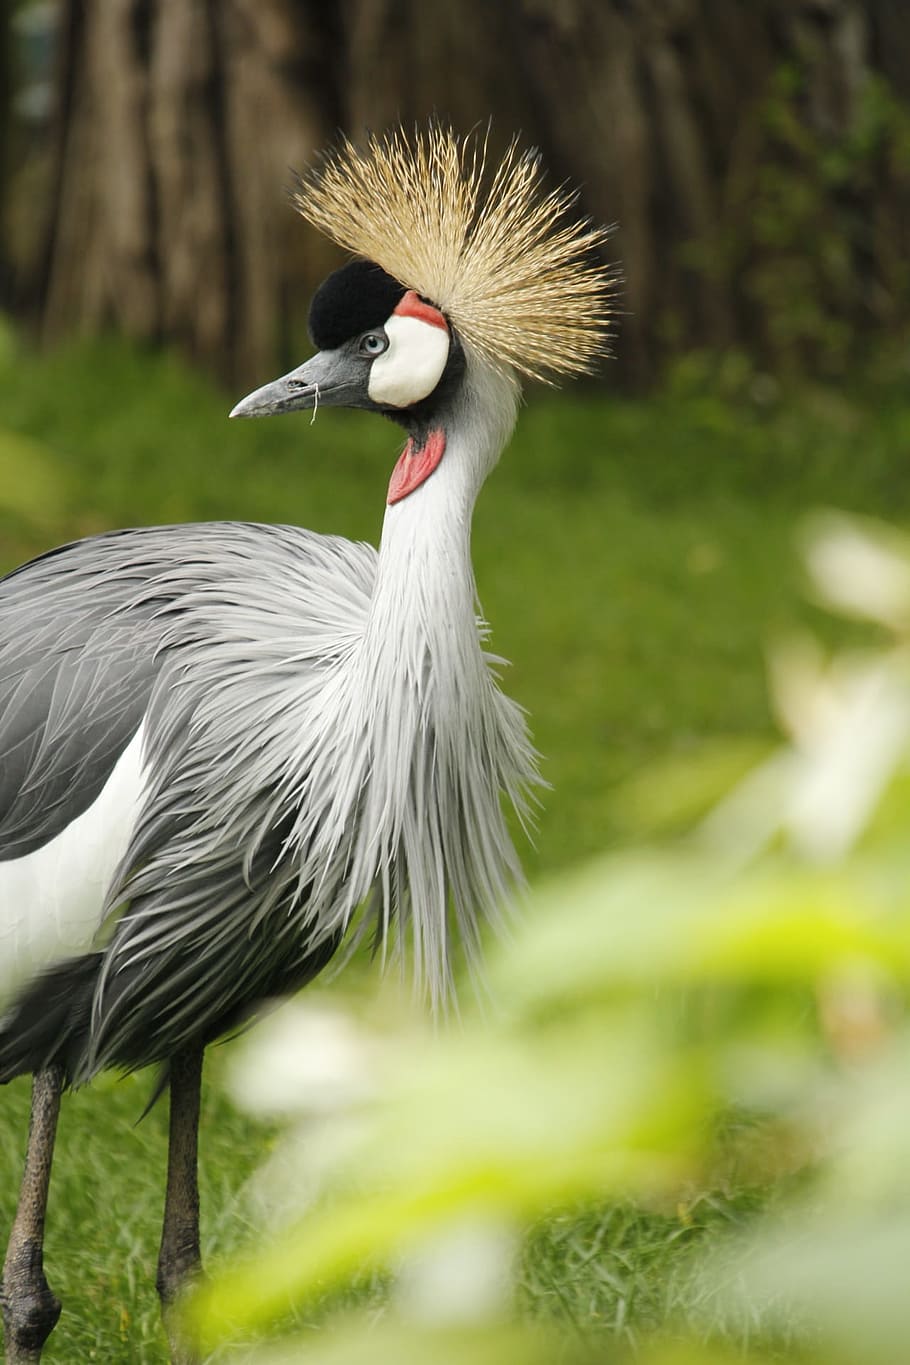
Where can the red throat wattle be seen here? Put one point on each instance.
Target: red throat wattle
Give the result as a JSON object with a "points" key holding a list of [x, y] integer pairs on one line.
{"points": [[415, 464]]}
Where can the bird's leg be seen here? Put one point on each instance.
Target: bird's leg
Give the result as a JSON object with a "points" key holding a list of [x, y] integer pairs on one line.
{"points": [[30, 1309], [179, 1262]]}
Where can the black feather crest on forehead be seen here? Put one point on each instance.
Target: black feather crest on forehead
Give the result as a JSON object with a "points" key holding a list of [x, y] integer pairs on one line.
{"points": [[352, 300]]}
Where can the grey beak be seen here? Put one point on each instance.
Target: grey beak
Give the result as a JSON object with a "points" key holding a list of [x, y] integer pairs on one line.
{"points": [[326, 378]]}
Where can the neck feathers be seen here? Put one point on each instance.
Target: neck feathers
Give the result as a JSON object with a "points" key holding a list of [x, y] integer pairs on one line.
{"points": [[420, 827]]}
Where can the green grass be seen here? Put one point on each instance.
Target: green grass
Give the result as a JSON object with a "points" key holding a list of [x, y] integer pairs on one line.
{"points": [[634, 558]]}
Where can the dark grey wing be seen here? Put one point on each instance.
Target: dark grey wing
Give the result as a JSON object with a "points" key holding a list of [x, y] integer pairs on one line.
{"points": [[78, 645]]}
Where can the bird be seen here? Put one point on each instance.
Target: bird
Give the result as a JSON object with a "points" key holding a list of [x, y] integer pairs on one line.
{"points": [[227, 748]]}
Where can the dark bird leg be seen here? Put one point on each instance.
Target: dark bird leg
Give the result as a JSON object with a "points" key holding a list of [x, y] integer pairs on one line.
{"points": [[30, 1309], [179, 1261]]}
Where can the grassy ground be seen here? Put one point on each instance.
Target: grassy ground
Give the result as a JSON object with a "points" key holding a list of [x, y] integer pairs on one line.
{"points": [[634, 558]]}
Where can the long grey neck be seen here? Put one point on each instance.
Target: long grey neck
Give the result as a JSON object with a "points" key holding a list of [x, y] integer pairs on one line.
{"points": [[425, 580], [437, 742]]}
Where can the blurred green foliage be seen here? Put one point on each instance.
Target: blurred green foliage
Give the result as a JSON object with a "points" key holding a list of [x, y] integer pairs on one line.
{"points": [[657, 1016], [811, 236], [635, 559]]}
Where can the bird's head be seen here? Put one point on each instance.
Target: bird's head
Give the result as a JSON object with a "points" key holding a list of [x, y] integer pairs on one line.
{"points": [[381, 347], [455, 271]]}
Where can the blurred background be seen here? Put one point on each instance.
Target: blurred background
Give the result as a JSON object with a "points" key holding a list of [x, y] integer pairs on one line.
{"points": [[755, 157], [755, 161], [636, 553]]}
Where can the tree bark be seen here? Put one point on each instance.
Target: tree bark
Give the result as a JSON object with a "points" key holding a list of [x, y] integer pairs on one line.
{"points": [[752, 155], [178, 124]]}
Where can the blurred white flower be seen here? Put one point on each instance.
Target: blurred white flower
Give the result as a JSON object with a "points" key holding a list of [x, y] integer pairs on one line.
{"points": [[848, 719], [849, 726], [306, 1059], [860, 568], [846, 750], [461, 1276]]}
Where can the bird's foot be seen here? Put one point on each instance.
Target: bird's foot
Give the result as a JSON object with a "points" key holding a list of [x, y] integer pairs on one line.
{"points": [[30, 1308]]}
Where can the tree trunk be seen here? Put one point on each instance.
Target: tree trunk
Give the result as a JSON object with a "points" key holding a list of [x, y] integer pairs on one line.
{"points": [[751, 152], [178, 124]]}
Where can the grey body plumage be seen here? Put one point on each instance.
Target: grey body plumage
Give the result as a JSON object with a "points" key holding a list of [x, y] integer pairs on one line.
{"points": [[321, 730], [240, 647], [162, 626]]}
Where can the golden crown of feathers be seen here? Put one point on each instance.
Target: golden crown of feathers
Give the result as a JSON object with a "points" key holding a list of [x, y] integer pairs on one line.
{"points": [[517, 275]]}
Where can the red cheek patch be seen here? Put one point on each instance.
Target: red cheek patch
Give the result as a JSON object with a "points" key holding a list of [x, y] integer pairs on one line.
{"points": [[416, 464], [413, 306]]}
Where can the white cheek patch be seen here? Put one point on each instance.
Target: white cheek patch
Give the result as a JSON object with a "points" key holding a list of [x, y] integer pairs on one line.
{"points": [[412, 366]]}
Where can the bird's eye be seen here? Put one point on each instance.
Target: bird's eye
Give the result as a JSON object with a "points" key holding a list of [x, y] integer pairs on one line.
{"points": [[373, 343]]}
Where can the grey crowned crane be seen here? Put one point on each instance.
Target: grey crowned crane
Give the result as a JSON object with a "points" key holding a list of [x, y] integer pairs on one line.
{"points": [[218, 741]]}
